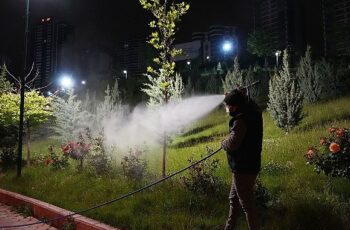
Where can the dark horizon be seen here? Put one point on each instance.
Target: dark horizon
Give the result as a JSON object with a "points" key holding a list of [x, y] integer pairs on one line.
{"points": [[106, 23]]}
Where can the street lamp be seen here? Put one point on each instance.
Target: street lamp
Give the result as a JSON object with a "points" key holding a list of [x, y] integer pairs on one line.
{"points": [[66, 82], [227, 46], [189, 64], [83, 82], [126, 74], [277, 54]]}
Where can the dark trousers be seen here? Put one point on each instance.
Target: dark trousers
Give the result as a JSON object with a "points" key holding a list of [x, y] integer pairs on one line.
{"points": [[242, 196]]}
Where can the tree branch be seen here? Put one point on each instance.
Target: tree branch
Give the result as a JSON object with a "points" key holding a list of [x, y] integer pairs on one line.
{"points": [[11, 75], [30, 72]]}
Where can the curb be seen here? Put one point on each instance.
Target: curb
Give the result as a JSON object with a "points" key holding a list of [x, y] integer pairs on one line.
{"points": [[43, 210]]}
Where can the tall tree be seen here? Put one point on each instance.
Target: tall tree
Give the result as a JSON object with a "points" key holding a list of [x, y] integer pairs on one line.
{"points": [[285, 98], [259, 44], [70, 119], [234, 78], [164, 85]]}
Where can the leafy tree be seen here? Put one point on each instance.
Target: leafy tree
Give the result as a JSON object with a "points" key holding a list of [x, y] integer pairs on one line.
{"points": [[285, 98], [36, 112], [259, 44], [164, 85]]}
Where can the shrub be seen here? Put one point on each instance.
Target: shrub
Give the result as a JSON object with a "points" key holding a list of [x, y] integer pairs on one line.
{"points": [[56, 161], [98, 161], [333, 158], [201, 177], [76, 151], [134, 167]]}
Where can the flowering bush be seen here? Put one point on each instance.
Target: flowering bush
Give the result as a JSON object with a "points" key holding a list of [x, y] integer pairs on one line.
{"points": [[76, 150], [54, 160], [334, 156]]}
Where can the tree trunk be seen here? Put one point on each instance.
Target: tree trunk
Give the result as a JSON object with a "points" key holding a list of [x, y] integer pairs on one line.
{"points": [[28, 143], [164, 155]]}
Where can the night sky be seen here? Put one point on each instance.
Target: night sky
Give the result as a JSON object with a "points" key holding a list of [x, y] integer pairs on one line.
{"points": [[107, 21]]}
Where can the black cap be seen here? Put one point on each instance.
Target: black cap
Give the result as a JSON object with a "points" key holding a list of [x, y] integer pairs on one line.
{"points": [[236, 97]]}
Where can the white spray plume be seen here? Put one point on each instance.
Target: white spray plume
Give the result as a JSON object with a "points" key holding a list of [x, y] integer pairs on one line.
{"points": [[147, 126]]}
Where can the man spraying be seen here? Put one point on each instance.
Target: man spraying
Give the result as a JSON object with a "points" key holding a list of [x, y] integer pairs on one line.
{"points": [[243, 146]]}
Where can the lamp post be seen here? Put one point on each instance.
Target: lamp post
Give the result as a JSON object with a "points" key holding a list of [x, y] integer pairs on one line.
{"points": [[189, 64], [227, 47], [126, 74], [277, 54], [66, 82], [22, 89]]}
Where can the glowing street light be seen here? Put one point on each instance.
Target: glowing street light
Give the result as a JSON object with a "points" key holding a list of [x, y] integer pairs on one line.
{"points": [[66, 82], [277, 54], [83, 82], [227, 46], [126, 73], [188, 64]]}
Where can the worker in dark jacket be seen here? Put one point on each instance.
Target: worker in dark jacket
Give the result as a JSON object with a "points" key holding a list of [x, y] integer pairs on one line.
{"points": [[243, 146]]}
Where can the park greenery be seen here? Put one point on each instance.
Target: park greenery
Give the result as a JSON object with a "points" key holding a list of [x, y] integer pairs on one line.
{"points": [[293, 193], [72, 164]]}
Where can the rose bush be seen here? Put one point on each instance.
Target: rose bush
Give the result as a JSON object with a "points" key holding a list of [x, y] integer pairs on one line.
{"points": [[77, 151], [333, 157]]}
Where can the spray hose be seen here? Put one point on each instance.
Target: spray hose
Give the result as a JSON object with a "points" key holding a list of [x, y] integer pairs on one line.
{"points": [[118, 198]]}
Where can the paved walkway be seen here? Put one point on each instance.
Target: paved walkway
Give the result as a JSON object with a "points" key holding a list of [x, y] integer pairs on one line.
{"points": [[9, 217]]}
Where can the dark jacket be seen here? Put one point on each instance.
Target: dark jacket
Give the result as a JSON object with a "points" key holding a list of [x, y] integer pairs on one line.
{"points": [[244, 143]]}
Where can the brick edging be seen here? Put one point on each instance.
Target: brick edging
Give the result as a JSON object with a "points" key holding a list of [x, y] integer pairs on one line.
{"points": [[48, 211]]}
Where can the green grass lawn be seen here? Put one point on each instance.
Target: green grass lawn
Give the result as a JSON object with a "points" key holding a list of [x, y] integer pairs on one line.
{"points": [[299, 198]]}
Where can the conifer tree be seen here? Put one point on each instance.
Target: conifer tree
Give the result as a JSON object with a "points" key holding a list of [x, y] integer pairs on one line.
{"points": [[285, 98], [317, 78], [111, 105], [308, 78], [234, 78], [70, 119]]}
